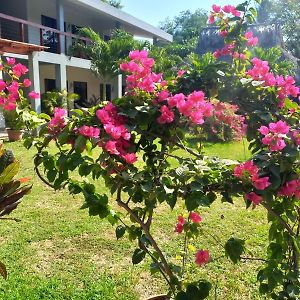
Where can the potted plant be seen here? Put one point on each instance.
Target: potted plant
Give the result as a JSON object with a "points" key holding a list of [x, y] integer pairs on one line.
{"points": [[52, 99], [14, 125], [139, 145]]}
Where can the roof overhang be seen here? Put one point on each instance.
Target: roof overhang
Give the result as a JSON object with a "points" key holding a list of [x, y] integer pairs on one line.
{"points": [[140, 27], [18, 47]]}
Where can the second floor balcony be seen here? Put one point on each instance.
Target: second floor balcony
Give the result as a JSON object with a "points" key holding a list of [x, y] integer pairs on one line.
{"points": [[55, 41]]}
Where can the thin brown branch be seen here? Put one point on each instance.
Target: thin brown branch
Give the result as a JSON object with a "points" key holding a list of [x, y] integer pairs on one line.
{"points": [[147, 233], [279, 218]]}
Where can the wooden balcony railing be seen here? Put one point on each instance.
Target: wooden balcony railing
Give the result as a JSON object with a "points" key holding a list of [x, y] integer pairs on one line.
{"points": [[20, 30]]}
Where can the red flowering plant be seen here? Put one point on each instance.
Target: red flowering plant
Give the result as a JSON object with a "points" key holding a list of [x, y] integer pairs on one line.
{"points": [[132, 143], [16, 107]]}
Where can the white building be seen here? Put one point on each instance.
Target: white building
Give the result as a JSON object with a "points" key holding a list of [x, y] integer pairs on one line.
{"points": [[54, 23]]}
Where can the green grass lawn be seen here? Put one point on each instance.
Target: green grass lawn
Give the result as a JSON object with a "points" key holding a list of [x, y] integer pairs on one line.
{"points": [[58, 252]]}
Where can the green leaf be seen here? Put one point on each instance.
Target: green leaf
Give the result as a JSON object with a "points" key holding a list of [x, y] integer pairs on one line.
{"points": [[9, 172], [120, 231], [138, 256], [253, 11], [51, 174], [234, 248], [204, 289], [181, 296]]}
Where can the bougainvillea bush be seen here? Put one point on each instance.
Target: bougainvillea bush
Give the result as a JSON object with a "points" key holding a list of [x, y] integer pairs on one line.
{"points": [[15, 105], [132, 143]]}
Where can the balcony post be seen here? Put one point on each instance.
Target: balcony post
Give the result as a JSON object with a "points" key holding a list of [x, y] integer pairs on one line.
{"points": [[34, 75], [61, 77], [1, 73], [60, 19]]}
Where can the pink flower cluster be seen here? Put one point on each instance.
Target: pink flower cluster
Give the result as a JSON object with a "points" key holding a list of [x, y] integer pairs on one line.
{"points": [[9, 90], [58, 122], [261, 72], [254, 198], [193, 106], [274, 135], [228, 49], [19, 70], [290, 189], [218, 12], [251, 40], [225, 113], [194, 217], [89, 131], [9, 95], [114, 126], [141, 77], [202, 257], [248, 171]]}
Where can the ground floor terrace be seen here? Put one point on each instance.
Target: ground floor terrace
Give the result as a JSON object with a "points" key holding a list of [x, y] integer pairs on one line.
{"points": [[50, 71]]}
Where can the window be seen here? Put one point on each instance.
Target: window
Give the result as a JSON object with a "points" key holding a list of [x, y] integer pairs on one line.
{"points": [[108, 92], [50, 85], [50, 39], [80, 88]]}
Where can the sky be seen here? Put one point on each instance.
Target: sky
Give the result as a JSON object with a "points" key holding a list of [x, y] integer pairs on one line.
{"points": [[155, 11]]}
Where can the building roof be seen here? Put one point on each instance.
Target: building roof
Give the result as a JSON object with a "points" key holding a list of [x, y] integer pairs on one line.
{"points": [[128, 22]]}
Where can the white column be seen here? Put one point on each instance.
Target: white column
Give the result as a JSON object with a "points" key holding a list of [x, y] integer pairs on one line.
{"points": [[1, 73], [34, 75], [61, 77], [60, 19], [120, 85]]}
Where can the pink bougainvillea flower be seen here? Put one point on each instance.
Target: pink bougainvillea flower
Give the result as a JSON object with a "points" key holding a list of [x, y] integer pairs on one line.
{"points": [[180, 73], [246, 170], [26, 82], [111, 147], [264, 130], [216, 8], [181, 219], [274, 135], [223, 33], [34, 95], [89, 131], [180, 222], [202, 257], [130, 158], [163, 95], [261, 183], [2, 85], [211, 19], [19, 70], [290, 189], [179, 228], [195, 217], [167, 116], [253, 197], [279, 127], [58, 122], [10, 61]]}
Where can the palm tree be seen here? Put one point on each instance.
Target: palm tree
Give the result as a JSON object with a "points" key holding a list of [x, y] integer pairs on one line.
{"points": [[106, 56]]}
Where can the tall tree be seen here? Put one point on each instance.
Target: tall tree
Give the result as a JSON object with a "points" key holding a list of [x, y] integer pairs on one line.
{"points": [[106, 56], [114, 3], [186, 26], [287, 13]]}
